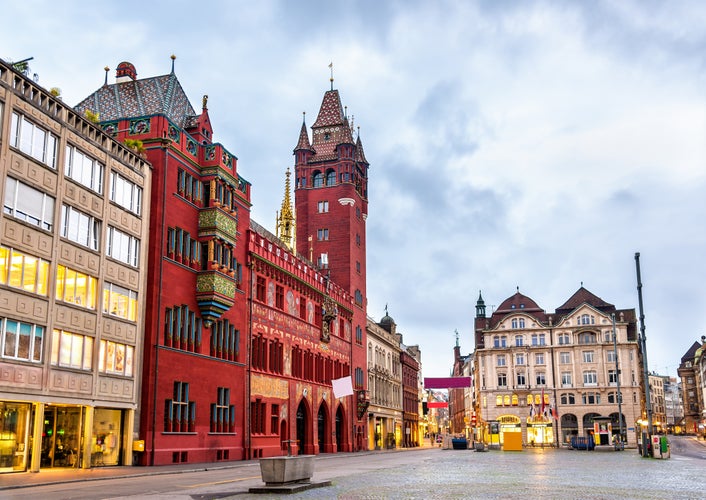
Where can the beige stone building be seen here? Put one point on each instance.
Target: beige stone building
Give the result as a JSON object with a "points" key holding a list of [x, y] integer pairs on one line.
{"points": [[659, 408], [385, 417], [554, 376], [73, 240]]}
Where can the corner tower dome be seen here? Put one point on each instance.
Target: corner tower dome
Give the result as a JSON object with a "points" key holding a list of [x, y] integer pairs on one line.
{"points": [[125, 72]]}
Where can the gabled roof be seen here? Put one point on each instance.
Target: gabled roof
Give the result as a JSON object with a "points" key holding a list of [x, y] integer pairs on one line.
{"points": [[150, 96]]}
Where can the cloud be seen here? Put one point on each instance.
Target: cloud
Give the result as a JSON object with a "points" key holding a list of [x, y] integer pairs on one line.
{"points": [[531, 144]]}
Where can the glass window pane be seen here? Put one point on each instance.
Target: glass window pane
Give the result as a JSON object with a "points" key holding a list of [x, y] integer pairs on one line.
{"points": [[88, 353], [81, 292], [10, 194], [25, 337], [110, 357], [91, 292], [65, 349], [55, 347], [133, 307], [10, 338], [42, 277], [50, 156], [76, 350], [120, 358], [60, 277], [38, 343], [129, 352], [4, 264], [30, 273], [38, 143], [26, 136], [15, 269]]}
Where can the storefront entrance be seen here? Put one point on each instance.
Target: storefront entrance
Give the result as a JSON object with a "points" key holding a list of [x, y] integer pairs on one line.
{"points": [[14, 436], [106, 437], [539, 431], [61, 436]]}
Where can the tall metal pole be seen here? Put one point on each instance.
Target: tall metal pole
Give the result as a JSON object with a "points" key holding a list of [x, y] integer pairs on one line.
{"points": [[643, 347], [617, 374]]}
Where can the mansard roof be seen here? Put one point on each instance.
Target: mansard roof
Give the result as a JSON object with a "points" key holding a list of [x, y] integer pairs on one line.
{"points": [[150, 96], [689, 355], [583, 296], [518, 303]]}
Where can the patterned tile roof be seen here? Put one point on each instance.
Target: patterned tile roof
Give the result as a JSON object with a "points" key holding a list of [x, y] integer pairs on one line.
{"points": [[150, 96], [359, 153], [303, 142], [331, 112], [330, 129]]}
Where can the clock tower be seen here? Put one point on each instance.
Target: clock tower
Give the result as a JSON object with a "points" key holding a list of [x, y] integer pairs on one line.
{"points": [[331, 203]]}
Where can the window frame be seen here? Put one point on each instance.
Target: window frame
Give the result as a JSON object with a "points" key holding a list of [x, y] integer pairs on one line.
{"points": [[13, 204]]}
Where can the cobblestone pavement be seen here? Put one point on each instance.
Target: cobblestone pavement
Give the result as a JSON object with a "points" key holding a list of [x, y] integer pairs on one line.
{"points": [[535, 474], [428, 473]]}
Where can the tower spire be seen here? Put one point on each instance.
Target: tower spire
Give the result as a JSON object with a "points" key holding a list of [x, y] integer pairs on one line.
{"points": [[480, 306], [331, 79], [286, 226]]}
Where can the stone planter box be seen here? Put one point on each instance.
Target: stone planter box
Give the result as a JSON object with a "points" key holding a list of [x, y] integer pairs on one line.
{"points": [[286, 470]]}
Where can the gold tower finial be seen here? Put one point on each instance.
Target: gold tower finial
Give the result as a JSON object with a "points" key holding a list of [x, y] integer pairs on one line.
{"points": [[331, 79], [286, 226]]}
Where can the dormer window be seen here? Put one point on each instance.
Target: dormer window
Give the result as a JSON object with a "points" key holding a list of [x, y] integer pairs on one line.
{"points": [[327, 136]]}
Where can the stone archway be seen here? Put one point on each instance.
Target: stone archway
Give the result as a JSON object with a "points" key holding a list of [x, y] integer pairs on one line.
{"points": [[569, 427], [588, 423]]}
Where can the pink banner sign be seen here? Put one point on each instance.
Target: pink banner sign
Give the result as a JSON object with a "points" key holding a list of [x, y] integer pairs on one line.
{"points": [[447, 382]]}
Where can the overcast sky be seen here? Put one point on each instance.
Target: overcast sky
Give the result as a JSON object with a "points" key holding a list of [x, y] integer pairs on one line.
{"points": [[536, 145]]}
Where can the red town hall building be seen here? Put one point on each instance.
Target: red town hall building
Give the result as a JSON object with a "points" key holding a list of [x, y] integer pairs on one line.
{"points": [[244, 329]]}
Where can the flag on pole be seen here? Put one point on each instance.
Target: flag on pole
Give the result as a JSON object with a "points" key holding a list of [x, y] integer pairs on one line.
{"points": [[532, 410], [555, 411], [342, 387], [541, 408]]}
